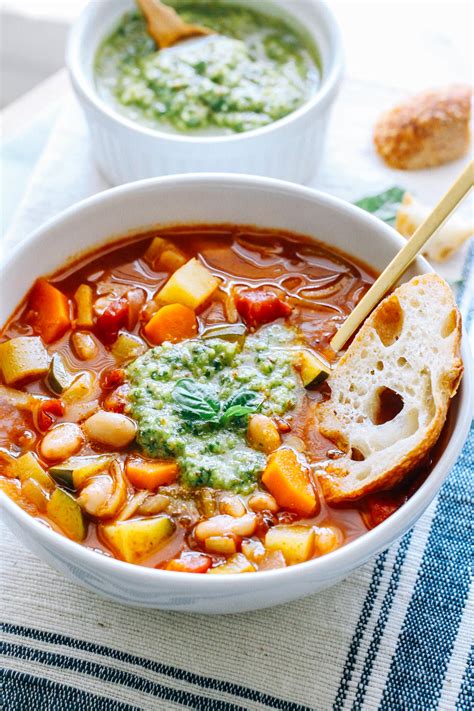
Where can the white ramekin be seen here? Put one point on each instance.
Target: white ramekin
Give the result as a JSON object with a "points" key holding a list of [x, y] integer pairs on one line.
{"points": [[220, 199], [125, 151]]}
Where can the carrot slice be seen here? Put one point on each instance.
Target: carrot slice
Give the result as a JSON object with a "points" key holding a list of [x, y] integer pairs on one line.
{"points": [[289, 483], [173, 322], [149, 474], [50, 308], [190, 563]]}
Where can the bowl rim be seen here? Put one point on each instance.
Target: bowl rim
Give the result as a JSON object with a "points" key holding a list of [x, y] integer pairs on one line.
{"points": [[324, 94], [342, 559]]}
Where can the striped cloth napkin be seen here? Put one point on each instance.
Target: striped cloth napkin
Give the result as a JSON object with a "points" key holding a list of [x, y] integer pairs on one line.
{"points": [[396, 634]]}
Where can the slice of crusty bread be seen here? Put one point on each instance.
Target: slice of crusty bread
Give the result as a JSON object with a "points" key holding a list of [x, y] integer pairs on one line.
{"points": [[406, 355], [426, 130]]}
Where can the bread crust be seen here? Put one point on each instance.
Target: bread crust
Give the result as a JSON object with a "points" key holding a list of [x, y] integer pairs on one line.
{"points": [[426, 130], [341, 480]]}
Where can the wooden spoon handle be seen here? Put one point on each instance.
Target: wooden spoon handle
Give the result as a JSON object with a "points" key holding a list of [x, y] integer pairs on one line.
{"points": [[405, 256], [165, 25]]}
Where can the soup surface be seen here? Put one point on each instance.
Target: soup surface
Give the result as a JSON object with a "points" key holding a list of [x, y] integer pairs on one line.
{"points": [[254, 71], [158, 400]]}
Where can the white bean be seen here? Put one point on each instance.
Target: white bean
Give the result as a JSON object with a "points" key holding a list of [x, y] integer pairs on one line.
{"points": [[327, 538], [263, 434], [61, 442], [232, 505], [110, 428], [224, 524], [261, 501]]}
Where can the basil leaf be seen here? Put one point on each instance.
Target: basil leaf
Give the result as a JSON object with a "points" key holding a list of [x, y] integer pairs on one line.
{"points": [[384, 205], [246, 398], [239, 405], [234, 412], [195, 401]]}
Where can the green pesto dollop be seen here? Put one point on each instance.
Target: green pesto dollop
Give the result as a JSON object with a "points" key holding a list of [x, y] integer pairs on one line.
{"points": [[256, 70], [214, 454]]}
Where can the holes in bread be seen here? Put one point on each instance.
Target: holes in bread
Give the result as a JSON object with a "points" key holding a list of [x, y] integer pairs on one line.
{"points": [[357, 455], [449, 324], [387, 405], [388, 321]]}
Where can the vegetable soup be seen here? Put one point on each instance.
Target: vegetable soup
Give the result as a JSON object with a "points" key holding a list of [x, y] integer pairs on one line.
{"points": [[158, 400]]}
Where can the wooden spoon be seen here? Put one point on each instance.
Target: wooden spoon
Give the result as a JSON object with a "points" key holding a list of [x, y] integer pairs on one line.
{"points": [[400, 263], [165, 25]]}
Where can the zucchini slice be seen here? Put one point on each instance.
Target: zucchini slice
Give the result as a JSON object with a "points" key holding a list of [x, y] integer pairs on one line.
{"points": [[58, 379], [313, 369], [67, 514], [76, 470]]}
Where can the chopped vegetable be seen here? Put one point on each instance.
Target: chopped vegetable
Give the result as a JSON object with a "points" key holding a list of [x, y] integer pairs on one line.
{"points": [[110, 428], [289, 483], [295, 542], [137, 539], [384, 205], [58, 379], [237, 563], [136, 299], [83, 297], [28, 467], [23, 358], [61, 442], [149, 474], [173, 323], [127, 347], [312, 369], [112, 319], [82, 388], [170, 260], [191, 285], [155, 248], [259, 306], [84, 345], [35, 493], [46, 413], [50, 309], [67, 514], [226, 331], [190, 563], [75, 471]]}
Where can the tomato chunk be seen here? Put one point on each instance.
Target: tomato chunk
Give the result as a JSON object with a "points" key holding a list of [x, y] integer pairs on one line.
{"points": [[190, 563], [47, 412], [112, 320], [260, 306], [382, 505]]}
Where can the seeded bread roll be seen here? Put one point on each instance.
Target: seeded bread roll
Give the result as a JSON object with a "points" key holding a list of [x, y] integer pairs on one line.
{"points": [[426, 130], [390, 391]]}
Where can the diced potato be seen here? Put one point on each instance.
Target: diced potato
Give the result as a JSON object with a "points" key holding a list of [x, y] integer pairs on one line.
{"points": [[23, 358], [35, 493], [154, 250], [295, 542], [82, 389], [171, 260], [127, 347], [138, 539], [237, 563], [313, 370], [67, 514], [28, 467], [190, 285]]}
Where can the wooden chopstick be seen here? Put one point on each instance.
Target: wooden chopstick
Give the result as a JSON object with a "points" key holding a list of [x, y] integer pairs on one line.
{"points": [[405, 256]]}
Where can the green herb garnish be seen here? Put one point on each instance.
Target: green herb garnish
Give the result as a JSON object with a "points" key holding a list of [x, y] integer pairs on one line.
{"points": [[196, 403], [384, 205]]}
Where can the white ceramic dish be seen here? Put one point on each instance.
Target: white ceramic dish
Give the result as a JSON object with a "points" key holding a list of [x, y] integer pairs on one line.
{"points": [[207, 199], [124, 150]]}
